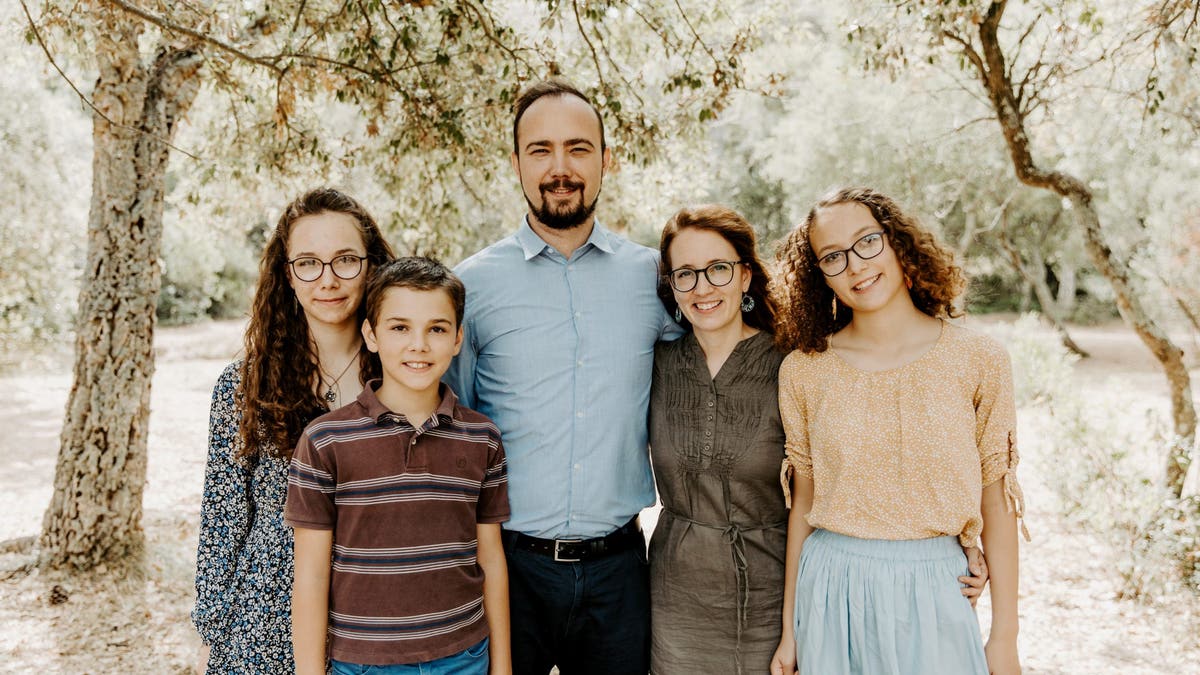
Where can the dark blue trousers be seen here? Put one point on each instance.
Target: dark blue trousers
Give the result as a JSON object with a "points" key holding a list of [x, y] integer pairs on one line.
{"points": [[590, 617]]}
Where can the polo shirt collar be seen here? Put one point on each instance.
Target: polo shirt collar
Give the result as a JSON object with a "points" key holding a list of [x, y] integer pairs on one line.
{"points": [[377, 410], [532, 244]]}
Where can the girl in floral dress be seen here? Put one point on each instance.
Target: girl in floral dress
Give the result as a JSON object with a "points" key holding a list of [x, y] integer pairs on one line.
{"points": [[303, 356]]}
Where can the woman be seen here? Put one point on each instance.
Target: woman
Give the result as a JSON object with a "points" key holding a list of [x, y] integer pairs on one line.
{"points": [[716, 556], [900, 443], [304, 356]]}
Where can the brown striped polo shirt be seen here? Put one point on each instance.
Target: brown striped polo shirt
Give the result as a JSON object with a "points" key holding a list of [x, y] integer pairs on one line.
{"points": [[403, 504]]}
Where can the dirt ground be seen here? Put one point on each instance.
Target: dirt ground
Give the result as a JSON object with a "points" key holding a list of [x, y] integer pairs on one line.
{"points": [[136, 620]]}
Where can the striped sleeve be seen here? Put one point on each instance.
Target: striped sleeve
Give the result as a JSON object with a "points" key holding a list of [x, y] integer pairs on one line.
{"points": [[311, 487], [493, 493]]}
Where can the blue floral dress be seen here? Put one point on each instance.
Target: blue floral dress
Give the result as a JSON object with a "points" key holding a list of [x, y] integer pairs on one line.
{"points": [[244, 559]]}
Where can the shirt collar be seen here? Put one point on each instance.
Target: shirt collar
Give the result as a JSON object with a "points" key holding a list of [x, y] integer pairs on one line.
{"points": [[377, 410], [532, 244]]}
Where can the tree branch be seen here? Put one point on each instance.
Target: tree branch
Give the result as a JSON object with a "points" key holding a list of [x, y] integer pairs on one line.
{"points": [[591, 48], [488, 23], [969, 51], [299, 13], [688, 22], [662, 34], [270, 62], [195, 34], [50, 57]]}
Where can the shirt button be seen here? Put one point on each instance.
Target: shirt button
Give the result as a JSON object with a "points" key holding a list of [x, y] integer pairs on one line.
{"points": [[708, 432], [710, 404], [710, 418], [579, 362], [579, 414], [577, 467], [578, 314], [707, 446]]}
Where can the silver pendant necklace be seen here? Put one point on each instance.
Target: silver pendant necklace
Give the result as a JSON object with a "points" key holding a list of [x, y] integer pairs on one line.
{"points": [[329, 395]]}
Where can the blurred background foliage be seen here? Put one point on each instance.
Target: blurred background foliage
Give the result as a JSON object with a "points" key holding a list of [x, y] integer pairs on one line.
{"points": [[806, 117]]}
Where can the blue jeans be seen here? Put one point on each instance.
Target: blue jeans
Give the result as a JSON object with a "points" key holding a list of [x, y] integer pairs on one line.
{"points": [[470, 661], [588, 618]]}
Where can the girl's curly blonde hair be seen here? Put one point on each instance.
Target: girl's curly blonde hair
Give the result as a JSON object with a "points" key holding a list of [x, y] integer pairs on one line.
{"points": [[805, 319]]}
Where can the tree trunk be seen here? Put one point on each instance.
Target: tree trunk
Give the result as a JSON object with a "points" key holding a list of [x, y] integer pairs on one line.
{"points": [[1035, 280], [1026, 302], [95, 513], [996, 79], [1068, 284]]}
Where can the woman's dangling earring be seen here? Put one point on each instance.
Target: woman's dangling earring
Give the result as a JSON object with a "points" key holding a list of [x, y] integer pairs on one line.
{"points": [[747, 303], [907, 282], [678, 315], [835, 308]]}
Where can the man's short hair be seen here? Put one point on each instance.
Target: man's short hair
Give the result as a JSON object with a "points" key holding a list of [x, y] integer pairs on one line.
{"points": [[550, 87], [417, 272]]}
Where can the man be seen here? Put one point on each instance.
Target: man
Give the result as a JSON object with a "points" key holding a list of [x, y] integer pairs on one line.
{"points": [[561, 321]]}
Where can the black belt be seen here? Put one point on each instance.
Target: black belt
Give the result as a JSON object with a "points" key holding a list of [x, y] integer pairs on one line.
{"points": [[579, 550]]}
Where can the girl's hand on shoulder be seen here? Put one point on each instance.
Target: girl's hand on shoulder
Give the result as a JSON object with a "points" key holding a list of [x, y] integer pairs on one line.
{"points": [[977, 566], [1002, 657], [784, 661]]}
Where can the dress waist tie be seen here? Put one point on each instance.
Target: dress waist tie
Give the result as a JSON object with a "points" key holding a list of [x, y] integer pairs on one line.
{"points": [[734, 535]]}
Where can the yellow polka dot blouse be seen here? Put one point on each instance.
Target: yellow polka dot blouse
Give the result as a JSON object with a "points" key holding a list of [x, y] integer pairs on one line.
{"points": [[903, 453]]}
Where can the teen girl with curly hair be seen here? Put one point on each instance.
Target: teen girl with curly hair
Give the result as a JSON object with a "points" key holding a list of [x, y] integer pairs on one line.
{"points": [[900, 431], [304, 356]]}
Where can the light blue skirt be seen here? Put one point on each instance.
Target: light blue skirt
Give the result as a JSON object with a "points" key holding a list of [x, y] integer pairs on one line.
{"points": [[881, 607]]}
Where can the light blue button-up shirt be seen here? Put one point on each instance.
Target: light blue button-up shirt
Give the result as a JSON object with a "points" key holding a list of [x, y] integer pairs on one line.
{"points": [[559, 353]]}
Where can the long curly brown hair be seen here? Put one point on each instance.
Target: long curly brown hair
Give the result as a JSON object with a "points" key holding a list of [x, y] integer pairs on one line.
{"points": [[277, 392], [739, 233], [806, 318]]}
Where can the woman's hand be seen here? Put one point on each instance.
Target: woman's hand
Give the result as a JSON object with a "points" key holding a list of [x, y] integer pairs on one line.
{"points": [[784, 661], [977, 565]]}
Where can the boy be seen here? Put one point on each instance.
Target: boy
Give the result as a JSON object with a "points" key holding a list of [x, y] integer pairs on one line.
{"points": [[405, 490]]}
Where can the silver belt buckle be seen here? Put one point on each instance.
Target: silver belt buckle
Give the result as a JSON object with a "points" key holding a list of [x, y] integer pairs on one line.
{"points": [[558, 556]]}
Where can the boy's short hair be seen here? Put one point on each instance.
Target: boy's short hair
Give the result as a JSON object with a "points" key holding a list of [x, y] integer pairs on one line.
{"points": [[419, 272]]}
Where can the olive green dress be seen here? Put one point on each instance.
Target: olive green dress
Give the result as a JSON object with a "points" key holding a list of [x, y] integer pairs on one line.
{"points": [[717, 554]]}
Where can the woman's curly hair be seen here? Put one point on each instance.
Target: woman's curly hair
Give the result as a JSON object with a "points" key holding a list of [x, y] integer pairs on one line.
{"points": [[730, 225], [806, 318], [277, 392]]}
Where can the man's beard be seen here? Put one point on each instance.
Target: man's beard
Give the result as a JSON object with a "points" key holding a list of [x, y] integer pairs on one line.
{"points": [[568, 216]]}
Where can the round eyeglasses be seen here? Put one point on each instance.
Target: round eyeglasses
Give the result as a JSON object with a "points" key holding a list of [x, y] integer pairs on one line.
{"points": [[835, 262], [310, 269], [719, 273]]}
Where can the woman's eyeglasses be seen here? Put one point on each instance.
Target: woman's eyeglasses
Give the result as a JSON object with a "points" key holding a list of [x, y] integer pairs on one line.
{"points": [[719, 273], [835, 262], [343, 266]]}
